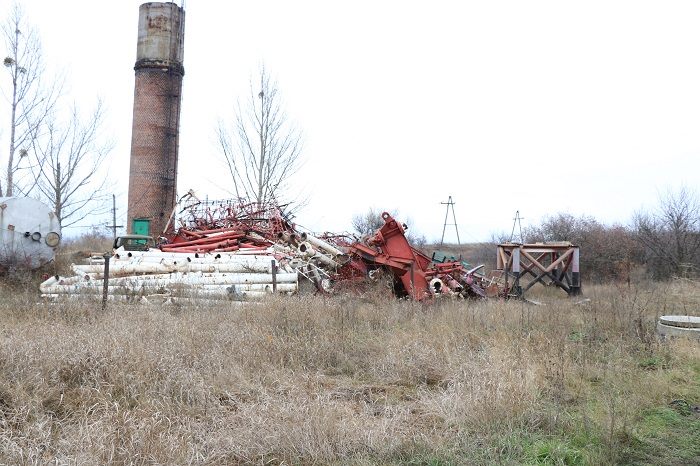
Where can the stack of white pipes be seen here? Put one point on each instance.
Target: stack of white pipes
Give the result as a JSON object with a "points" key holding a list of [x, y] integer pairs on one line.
{"points": [[235, 275], [229, 276], [149, 264]]}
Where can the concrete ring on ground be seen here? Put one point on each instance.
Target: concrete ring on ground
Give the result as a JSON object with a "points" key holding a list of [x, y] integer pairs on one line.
{"points": [[688, 326]]}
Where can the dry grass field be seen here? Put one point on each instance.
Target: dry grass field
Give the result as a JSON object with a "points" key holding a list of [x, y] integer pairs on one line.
{"points": [[351, 380]]}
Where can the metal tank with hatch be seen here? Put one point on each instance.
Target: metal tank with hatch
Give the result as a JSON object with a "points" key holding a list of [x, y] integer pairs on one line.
{"points": [[29, 233]]}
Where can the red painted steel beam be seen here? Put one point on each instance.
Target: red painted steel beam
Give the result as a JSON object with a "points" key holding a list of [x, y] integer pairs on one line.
{"points": [[392, 240]]}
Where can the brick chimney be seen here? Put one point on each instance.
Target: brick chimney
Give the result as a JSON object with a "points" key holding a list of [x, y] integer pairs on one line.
{"points": [[154, 136]]}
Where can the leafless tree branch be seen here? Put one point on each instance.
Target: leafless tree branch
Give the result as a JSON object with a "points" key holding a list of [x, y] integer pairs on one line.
{"points": [[69, 160], [262, 149], [671, 234], [30, 99]]}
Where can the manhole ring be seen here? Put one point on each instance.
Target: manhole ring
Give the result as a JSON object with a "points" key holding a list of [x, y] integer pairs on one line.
{"points": [[681, 321]]}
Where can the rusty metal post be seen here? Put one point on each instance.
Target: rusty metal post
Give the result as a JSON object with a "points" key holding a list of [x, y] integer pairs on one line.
{"points": [[505, 269], [412, 291], [273, 269], [105, 281]]}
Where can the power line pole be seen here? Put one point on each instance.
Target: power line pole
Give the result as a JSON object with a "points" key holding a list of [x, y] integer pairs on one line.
{"points": [[517, 220], [450, 205], [114, 218]]}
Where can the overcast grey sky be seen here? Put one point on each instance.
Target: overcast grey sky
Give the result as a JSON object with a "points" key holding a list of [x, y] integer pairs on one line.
{"points": [[545, 106]]}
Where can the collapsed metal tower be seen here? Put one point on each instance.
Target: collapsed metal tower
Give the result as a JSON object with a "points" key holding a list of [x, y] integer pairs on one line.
{"points": [[155, 132]]}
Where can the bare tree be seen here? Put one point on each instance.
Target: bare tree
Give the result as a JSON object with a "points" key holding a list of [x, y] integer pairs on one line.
{"points": [[367, 224], [68, 161], [671, 234], [370, 221], [263, 149], [562, 227], [30, 101]]}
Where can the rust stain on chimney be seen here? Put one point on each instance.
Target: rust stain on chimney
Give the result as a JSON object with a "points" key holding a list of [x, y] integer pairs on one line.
{"points": [[156, 121]]}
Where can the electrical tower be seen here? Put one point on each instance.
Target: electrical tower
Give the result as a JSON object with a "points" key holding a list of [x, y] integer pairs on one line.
{"points": [[450, 205], [517, 220]]}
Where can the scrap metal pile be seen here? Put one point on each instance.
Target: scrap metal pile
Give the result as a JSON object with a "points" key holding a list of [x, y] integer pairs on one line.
{"points": [[416, 275], [239, 251]]}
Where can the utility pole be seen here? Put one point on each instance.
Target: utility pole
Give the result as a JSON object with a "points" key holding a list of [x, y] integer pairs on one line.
{"points": [[114, 218], [450, 205]]}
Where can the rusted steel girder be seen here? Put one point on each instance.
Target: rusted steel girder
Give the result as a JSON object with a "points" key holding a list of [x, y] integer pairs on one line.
{"points": [[394, 251]]}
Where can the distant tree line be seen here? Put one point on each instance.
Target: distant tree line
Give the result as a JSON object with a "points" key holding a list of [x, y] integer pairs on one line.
{"points": [[664, 241], [660, 243]]}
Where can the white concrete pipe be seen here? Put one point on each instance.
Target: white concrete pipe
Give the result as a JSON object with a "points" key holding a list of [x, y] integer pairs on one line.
{"points": [[231, 290], [287, 237], [160, 256], [195, 297], [179, 258], [230, 279], [152, 299], [437, 286], [322, 245], [227, 293], [281, 287], [121, 269], [218, 279], [308, 251], [173, 277], [325, 260]]}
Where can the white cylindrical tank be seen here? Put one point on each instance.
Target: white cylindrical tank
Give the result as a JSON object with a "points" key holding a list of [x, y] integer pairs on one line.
{"points": [[29, 233]]}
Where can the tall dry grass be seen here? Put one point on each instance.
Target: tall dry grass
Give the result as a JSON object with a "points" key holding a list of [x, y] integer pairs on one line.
{"points": [[341, 380]]}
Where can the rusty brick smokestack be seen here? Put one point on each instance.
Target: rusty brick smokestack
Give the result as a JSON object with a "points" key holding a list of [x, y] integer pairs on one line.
{"points": [[154, 137]]}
